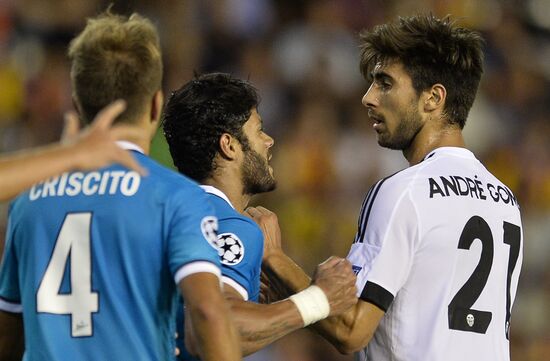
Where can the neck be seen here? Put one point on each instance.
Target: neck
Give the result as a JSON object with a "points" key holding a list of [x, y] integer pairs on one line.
{"points": [[428, 139], [232, 189], [144, 145], [142, 134]]}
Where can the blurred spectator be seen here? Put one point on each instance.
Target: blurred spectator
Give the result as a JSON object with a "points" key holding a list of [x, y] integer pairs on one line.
{"points": [[303, 57]]}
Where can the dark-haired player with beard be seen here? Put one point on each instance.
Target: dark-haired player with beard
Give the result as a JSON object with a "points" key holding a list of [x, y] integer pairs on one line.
{"points": [[216, 137]]}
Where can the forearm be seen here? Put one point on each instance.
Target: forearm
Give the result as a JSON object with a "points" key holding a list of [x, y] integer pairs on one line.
{"points": [[21, 170], [348, 331], [342, 331], [286, 273], [260, 325], [215, 336]]}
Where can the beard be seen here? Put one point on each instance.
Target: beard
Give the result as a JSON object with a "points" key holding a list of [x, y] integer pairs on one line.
{"points": [[409, 125], [256, 175]]}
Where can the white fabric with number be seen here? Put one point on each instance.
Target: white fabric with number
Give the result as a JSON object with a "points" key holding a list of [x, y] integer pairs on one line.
{"points": [[444, 238]]}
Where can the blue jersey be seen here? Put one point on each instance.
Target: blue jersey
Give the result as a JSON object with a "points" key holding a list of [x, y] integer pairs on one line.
{"points": [[93, 261], [241, 245]]}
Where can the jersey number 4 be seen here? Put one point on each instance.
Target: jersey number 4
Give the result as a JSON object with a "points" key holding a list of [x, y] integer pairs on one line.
{"points": [[72, 242], [461, 315]]}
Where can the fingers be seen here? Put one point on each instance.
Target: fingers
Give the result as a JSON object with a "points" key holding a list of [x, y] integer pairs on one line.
{"points": [[258, 211], [71, 127], [252, 212], [332, 261], [263, 210], [106, 117]]}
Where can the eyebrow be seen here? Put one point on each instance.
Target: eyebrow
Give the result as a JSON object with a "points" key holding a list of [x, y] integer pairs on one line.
{"points": [[381, 75]]}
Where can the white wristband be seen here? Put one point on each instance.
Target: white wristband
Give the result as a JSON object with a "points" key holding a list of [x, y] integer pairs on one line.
{"points": [[312, 303]]}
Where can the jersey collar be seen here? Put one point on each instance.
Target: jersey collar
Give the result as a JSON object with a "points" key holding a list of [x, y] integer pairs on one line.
{"points": [[215, 191], [457, 151], [129, 146]]}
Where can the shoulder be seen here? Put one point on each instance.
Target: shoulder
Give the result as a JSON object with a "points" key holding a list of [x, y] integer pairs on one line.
{"points": [[172, 185], [245, 228], [391, 188], [385, 198], [231, 221], [240, 241]]}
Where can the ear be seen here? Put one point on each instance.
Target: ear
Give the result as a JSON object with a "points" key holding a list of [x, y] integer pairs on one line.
{"points": [[435, 98], [228, 146], [156, 106]]}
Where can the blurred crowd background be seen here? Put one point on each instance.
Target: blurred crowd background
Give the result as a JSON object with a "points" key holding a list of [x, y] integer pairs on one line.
{"points": [[302, 55]]}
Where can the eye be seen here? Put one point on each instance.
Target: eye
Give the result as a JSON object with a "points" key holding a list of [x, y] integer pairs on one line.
{"points": [[385, 85]]}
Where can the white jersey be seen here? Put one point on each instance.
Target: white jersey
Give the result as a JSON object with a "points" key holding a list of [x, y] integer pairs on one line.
{"points": [[439, 249]]}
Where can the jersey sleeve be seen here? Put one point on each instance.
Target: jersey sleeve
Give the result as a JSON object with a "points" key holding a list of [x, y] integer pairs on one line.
{"points": [[383, 250], [241, 250], [192, 235], [10, 296]]}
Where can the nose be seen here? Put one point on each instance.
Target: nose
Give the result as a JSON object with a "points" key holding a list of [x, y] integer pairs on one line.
{"points": [[269, 141], [369, 100]]}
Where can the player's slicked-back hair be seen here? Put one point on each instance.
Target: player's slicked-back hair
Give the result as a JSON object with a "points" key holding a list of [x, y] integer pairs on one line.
{"points": [[433, 51], [196, 116], [115, 57]]}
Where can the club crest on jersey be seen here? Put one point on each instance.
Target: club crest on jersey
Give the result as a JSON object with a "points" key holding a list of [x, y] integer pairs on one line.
{"points": [[209, 228], [231, 249], [470, 320], [356, 269]]}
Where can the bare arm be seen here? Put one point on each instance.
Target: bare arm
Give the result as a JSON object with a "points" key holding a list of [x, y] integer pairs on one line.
{"points": [[349, 331], [261, 324], [12, 341], [214, 334], [93, 148]]}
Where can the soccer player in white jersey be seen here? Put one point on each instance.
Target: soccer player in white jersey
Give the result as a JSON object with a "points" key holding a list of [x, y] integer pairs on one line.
{"points": [[438, 249], [93, 261]]}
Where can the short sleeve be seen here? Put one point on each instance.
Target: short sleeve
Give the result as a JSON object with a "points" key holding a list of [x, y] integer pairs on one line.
{"points": [[383, 252], [241, 251], [192, 234], [10, 296]]}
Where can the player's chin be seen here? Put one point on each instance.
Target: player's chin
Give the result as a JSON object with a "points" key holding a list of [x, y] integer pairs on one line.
{"points": [[270, 184]]}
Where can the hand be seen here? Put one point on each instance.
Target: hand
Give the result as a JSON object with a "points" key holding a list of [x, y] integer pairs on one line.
{"points": [[269, 225], [95, 146], [336, 278]]}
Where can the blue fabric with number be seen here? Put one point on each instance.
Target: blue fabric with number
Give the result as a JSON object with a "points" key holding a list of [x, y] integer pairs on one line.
{"points": [[141, 231]]}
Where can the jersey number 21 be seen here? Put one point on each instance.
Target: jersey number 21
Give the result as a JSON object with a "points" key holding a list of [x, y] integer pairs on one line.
{"points": [[461, 315]]}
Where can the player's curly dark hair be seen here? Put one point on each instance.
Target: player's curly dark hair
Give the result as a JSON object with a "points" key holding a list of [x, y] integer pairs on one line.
{"points": [[197, 114], [433, 51]]}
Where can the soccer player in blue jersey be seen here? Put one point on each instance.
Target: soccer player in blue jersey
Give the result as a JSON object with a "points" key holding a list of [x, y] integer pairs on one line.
{"points": [[93, 261], [216, 137]]}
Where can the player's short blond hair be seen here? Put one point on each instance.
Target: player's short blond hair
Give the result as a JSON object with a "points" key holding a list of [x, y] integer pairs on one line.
{"points": [[115, 57]]}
